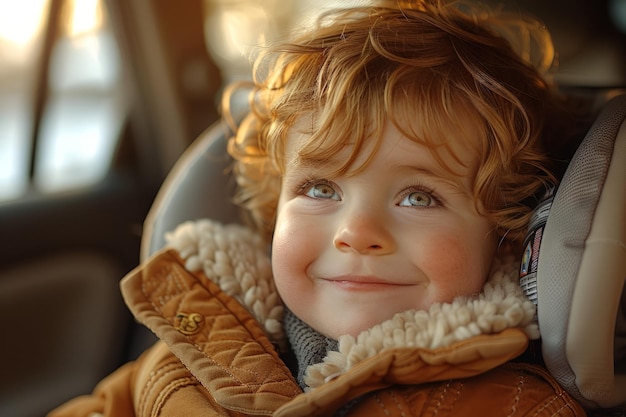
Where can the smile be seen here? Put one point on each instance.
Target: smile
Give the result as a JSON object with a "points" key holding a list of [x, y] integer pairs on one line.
{"points": [[363, 283]]}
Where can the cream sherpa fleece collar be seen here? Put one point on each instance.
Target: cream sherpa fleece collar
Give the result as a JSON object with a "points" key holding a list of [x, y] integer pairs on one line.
{"points": [[237, 260]]}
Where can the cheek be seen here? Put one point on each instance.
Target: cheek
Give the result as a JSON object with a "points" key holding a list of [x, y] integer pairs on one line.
{"points": [[292, 251], [285, 247], [456, 265]]}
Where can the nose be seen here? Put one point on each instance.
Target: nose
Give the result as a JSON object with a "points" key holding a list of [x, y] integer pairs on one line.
{"points": [[364, 233]]}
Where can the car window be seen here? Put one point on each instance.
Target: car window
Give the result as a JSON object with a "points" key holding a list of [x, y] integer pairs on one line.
{"points": [[61, 103]]}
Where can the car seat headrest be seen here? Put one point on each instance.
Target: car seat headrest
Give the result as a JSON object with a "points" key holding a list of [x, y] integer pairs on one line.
{"points": [[581, 267], [198, 186]]}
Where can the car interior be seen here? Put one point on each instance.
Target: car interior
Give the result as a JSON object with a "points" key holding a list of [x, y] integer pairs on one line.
{"points": [[110, 136]]}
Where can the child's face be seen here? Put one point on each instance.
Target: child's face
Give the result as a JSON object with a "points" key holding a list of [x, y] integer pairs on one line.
{"points": [[350, 252]]}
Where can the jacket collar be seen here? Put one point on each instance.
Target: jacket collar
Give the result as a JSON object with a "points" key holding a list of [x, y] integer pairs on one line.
{"points": [[236, 259]]}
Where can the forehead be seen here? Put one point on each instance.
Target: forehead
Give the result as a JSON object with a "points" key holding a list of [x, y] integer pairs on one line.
{"points": [[452, 146], [399, 145]]}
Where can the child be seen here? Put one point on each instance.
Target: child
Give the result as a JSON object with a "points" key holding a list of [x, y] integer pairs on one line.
{"points": [[391, 156]]}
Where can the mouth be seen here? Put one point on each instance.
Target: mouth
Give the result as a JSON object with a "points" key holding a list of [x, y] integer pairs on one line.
{"points": [[357, 282]]}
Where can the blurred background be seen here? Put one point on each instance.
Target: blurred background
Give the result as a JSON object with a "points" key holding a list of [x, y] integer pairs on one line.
{"points": [[98, 99]]}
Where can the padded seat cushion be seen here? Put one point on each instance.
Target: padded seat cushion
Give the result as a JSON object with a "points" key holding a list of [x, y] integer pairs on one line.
{"points": [[582, 267]]}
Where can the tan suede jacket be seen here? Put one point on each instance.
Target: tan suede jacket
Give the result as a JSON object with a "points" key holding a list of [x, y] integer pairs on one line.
{"points": [[211, 300]]}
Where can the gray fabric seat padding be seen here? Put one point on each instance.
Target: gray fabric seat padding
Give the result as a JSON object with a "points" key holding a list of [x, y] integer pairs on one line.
{"points": [[582, 267], [198, 186]]}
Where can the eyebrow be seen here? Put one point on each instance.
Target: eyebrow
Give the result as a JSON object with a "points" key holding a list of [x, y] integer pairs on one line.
{"points": [[332, 164], [446, 177]]}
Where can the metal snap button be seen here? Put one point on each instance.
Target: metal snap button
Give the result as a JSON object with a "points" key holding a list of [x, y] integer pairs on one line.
{"points": [[189, 323]]}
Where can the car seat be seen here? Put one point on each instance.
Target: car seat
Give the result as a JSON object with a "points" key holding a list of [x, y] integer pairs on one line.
{"points": [[198, 186], [581, 265], [581, 271]]}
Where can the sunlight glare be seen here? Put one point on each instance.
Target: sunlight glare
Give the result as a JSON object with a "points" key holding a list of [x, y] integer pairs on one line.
{"points": [[86, 17], [21, 21]]}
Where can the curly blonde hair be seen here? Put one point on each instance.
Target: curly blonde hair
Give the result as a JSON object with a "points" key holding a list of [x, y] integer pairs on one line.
{"points": [[453, 65]]}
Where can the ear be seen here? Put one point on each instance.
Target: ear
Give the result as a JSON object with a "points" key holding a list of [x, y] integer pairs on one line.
{"points": [[581, 267]]}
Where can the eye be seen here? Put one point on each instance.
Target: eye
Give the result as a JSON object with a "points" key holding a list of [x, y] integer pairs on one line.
{"points": [[418, 199], [320, 190]]}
